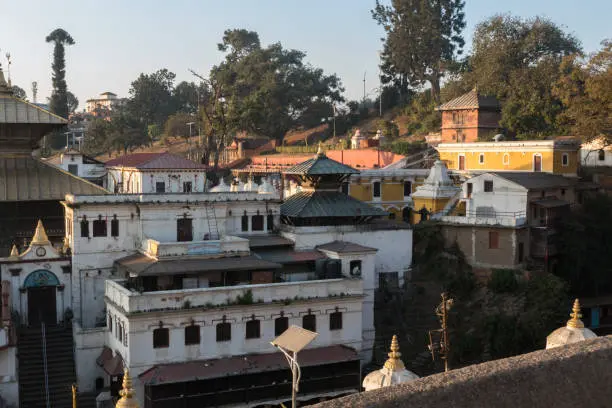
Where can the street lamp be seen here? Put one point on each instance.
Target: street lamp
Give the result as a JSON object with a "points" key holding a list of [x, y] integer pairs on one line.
{"points": [[190, 124], [292, 341]]}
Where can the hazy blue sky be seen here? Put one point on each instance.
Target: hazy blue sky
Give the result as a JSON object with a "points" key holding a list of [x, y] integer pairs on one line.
{"points": [[118, 39]]}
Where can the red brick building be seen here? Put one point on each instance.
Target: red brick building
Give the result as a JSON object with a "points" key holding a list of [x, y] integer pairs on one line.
{"points": [[469, 118]]}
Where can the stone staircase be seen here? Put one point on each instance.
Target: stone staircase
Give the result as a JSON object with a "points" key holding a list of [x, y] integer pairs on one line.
{"points": [[60, 367]]}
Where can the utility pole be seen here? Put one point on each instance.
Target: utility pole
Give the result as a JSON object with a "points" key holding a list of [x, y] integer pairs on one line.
{"points": [[379, 87], [441, 347], [334, 111], [364, 93], [8, 68]]}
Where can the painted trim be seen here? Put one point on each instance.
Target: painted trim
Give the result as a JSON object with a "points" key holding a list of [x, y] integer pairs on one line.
{"points": [[41, 278]]}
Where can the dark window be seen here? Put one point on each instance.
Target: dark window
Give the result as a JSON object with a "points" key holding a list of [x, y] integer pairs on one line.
{"points": [[470, 188], [73, 169], [407, 214], [309, 322], [493, 240], [537, 162], [187, 187], [84, 228], [391, 215], [99, 227], [257, 222], [270, 222], [488, 186], [407, 188], [161, 338], [184, 229], [345, 188], [562, 191], [245, 222], [355, 268], [481, 158], [335, 321], [521, 252], [377, 189], [280, 325], [110, 324], [601, 155], [565, 159], [252, 329], [224, 331], [114, 227], [160, 187], [192, 334]]}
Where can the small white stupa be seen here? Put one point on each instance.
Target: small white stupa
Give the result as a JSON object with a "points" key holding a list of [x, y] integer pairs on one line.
{"points": [[356, 139], [266, 187], [251, 185], [573, 332], [393, 372], [221, 187]]}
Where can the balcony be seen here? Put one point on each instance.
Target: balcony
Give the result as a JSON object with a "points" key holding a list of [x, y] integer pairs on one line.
{"points": [[225, 245], [136, 302], [489, 218]]}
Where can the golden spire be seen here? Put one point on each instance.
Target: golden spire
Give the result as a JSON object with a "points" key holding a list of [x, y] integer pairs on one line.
{"points": [[575, 321], [14, 252], [320, 150], [127, 399], [394, 363], [74, 396], [40, 236]]}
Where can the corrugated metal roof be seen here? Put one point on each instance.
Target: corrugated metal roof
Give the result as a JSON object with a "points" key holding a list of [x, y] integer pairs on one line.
{"points": [[311, 204], [142, 265], [535, 180], [471, 100], [24, 178], [240, 365], [321, 165], [15, 110], [154, 161], [345, 247]]}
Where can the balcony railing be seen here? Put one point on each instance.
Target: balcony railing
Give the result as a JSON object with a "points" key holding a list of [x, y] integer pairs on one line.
{"points": [[227, 244], [137, 302], [489, 217]]}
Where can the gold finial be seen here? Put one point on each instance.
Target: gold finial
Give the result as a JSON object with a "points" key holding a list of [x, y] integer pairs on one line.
{"points": [[320, 150], [127, 399], [394, 363], [14, 252], [40, 236], [575, 321], [74, 396]]}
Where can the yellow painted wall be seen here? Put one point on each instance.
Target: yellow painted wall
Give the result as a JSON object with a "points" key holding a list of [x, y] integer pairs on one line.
{"points": [[392, 191], [518, 161], [432, 205], [361, 191]]}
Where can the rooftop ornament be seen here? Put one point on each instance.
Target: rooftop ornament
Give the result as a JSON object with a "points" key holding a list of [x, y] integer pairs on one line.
{"points": [[393, 372], [127, 399], [573, 332]]}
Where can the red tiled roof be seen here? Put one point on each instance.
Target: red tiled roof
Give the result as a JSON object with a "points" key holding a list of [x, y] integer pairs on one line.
{"points": [[163, 160], [356, 158], [238, 365]]}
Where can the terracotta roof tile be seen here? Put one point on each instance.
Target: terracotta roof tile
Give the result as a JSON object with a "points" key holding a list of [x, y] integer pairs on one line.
{"points": [[471, 100], [152, 161]]}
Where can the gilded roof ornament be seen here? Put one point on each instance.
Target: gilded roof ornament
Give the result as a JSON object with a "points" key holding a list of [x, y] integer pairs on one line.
{"points": [[40, 236], [394, 363], [127, 399], [575, 321], [14, 252], [320, 152]]}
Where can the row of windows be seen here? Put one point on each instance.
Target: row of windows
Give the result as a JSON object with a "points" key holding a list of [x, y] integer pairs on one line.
{"points": [[118, 327], [537, 160], [100, 227], [160, 187], [257, 222], [161, 336]]}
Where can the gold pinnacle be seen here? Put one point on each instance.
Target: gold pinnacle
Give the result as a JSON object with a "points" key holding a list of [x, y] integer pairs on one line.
{"points": [[575, 321], [127, 399], [394, 363]]}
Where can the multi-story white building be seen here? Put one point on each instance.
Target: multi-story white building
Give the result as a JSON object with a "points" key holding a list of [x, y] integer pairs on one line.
{"points": [[104, 104], [144, 173]]}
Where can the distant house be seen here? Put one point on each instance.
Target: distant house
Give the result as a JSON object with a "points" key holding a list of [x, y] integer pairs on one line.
{"points": [[80, 165], [469, 118], [104, 104], [146, 173]]}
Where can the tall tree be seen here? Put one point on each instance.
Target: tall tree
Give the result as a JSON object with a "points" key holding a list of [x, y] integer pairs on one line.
{"points": [[73, 102], [423, 39], [59, 97], [151, 97], [19, 92]]}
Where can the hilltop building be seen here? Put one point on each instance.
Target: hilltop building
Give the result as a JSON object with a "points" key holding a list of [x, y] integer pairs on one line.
{"points": [[469, 118], [104, 104], [146, 173]]}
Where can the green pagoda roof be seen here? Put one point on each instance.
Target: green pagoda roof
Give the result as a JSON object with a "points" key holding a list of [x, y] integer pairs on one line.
{"points": [[314, 204], [321, 165]]}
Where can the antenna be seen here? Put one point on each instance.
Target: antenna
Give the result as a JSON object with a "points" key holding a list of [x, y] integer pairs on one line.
{"points": [[8, 67], [34, 91], [364, 94]]}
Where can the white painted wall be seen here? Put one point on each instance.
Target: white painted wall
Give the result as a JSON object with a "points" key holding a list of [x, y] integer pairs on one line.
{"points": [[9, 387], [84, 170], [144, 181], [88, 344], [505, 199], [590, 157]]}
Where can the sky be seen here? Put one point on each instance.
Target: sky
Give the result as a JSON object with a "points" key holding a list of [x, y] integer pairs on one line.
{"points": [[116, 40]]}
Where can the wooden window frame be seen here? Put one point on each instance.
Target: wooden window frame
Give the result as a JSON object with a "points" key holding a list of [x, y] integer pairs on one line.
{"points": [[224, 332], [281, 322], [252, 329], [309, 322], [192, 335], [161, 338], [335, 321]]}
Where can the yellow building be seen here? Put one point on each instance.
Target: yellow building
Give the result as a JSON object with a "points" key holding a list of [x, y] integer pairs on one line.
{"points": [[388, 189], [436, 195], [559, 156]]}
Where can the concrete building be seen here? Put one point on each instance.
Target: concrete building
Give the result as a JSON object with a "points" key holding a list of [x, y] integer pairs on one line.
{"points": [[80, 165], [558, 156], [146, 173], [469, 118], [104, 104]]}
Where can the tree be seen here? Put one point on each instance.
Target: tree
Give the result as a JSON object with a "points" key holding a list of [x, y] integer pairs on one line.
{"points": [[423, 38], [186, 97], [59, 97], [269, 91], [73, 102], [176, 125], [151, 97], [19, 92], [585, 90]]}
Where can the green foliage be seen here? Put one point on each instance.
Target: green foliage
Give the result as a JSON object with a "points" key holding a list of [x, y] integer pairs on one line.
{"points": [[585, 246], [389, 129], [422, 116], [176, 125], [121, 133], [422, 40], [151, 97], [72, 101], [406, 148], [503, 281], [59, 97], [246, 298]]}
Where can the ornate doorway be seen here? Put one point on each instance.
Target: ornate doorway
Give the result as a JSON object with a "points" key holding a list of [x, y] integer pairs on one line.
{"points": [[41, 286]]}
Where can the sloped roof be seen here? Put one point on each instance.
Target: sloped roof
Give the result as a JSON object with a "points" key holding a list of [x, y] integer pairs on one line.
{"points": [[535, 180], [153, 161], [311, 204], [320, 165], [345, 247], [24, 178], [471, 100]]}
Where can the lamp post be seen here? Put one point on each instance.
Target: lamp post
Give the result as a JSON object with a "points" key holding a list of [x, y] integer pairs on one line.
{"points": [[190, 124], [290, 342]]}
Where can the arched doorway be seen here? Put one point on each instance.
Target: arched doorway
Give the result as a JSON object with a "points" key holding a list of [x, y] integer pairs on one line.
{"points": [[41, 286]]}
